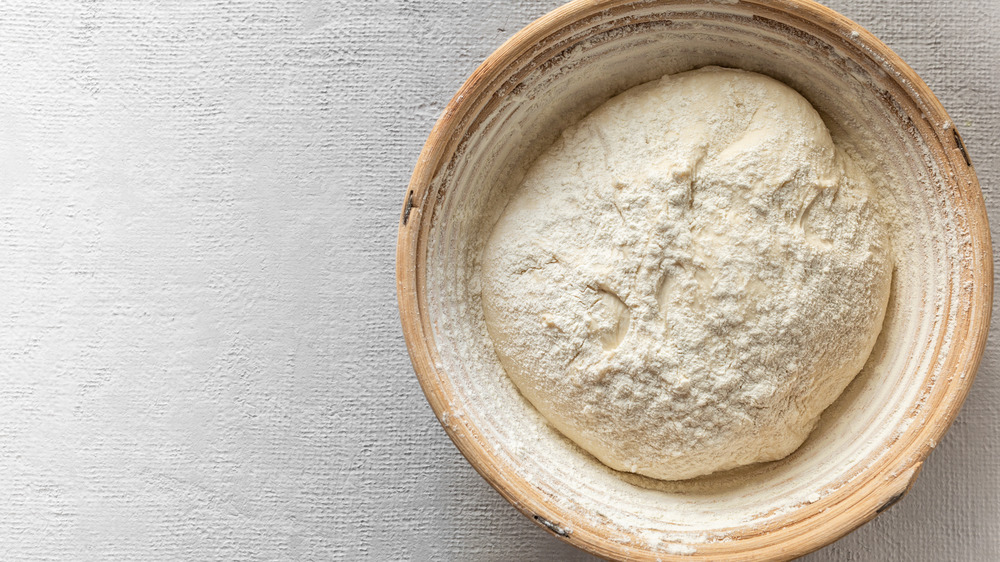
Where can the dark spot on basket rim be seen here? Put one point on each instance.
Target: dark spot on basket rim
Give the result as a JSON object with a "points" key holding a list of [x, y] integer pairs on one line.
{"points": [[408, 207], [554, 527], [961, 146]]}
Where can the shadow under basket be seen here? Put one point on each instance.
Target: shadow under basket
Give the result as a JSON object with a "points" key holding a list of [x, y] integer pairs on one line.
{"points": [[870, 444]]}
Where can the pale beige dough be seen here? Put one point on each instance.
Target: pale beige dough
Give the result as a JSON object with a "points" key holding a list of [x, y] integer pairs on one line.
{"points": [[689, 276]]}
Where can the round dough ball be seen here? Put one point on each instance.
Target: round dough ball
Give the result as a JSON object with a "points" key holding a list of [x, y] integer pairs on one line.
{"points": [[689, 276]]}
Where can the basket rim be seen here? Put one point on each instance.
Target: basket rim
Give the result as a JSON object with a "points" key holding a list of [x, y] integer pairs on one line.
{"points": [[877, 487]]}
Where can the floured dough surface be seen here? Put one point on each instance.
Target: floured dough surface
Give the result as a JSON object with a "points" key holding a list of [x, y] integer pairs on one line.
{"points": [[689, 276]]}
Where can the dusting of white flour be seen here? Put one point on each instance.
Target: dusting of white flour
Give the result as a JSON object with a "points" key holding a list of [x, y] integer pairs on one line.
{"points": [[689, 276]]}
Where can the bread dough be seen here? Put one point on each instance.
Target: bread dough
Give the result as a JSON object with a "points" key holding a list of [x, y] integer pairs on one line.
{"points": [[689, 276]]}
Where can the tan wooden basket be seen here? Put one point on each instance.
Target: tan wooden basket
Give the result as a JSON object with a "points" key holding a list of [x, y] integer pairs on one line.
{"points": [[870, 445]]}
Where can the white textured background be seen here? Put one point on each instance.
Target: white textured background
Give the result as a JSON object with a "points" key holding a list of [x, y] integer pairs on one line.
{"points": [[199, 347]]}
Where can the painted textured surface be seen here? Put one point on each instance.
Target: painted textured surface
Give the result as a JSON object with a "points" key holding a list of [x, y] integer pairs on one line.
{"points": [[198, 336]]}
